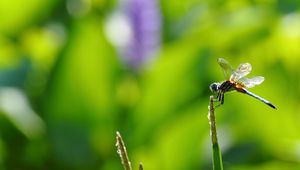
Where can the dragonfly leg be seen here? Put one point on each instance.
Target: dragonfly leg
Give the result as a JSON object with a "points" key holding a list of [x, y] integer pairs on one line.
{"points": [[216, 106], [220, 99], [217, 98]]}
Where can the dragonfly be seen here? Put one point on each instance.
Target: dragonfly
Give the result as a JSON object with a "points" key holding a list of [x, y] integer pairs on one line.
{"points": [[237, 81]]}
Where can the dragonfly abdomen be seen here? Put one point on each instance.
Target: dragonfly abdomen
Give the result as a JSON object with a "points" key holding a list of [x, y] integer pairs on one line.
{"points": [[259, 98]]}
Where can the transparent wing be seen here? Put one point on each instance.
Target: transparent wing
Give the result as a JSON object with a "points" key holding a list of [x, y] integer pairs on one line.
{"points": [[226, 67], [243, 70], [251, 82]]}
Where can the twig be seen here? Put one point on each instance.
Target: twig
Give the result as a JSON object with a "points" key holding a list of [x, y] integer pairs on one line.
{"points": [[121, 150], [141, 166], [217, 156]]}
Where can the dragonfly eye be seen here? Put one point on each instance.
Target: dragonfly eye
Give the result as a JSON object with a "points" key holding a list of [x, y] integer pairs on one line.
{"points": [[214, 87]]}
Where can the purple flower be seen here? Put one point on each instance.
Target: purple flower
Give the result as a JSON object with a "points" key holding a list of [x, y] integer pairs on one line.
{"points": [[145, 20], [135, 30]]}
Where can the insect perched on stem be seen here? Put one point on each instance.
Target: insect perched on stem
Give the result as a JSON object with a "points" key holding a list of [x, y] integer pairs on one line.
{"points": [[237, 81]]}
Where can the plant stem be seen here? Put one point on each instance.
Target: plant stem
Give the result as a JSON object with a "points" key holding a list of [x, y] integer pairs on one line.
{"points": [[141, 166], [121, 150], [217, 156]]}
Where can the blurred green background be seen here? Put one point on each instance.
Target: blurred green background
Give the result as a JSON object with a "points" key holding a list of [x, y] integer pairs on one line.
{"points": [[66, 85]]}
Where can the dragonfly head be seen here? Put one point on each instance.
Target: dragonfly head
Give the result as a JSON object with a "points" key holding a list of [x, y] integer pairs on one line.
{"points": [[214, 87]]}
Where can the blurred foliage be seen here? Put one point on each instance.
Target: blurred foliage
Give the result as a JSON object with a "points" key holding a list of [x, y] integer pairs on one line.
{"points": [[64, 90]]}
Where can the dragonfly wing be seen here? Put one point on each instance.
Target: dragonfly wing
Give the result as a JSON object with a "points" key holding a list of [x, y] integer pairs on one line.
{"points": [[226, 67], [243, 70], [251, 82]]}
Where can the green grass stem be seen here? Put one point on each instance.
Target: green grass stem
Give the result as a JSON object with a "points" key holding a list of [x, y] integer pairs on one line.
{"points": [[216, 155], [121, 150]]}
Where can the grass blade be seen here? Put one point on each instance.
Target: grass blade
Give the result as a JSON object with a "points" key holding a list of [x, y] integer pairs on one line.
{"points": [[217, 156], [121, 150]]}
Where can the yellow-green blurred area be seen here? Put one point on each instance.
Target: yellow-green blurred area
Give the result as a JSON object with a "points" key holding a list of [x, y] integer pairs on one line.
{"points": [[65, 91]]}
